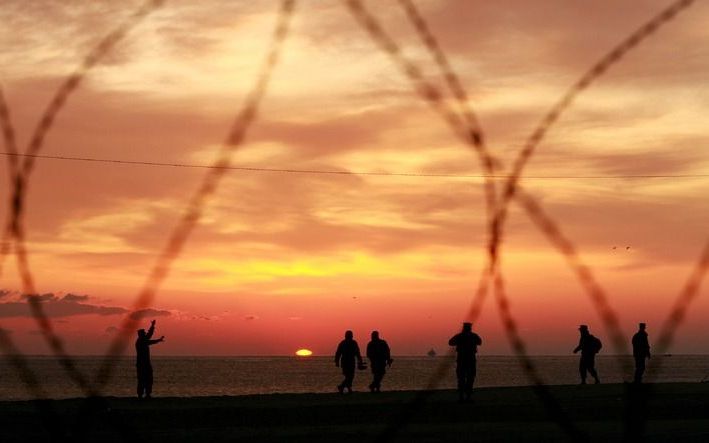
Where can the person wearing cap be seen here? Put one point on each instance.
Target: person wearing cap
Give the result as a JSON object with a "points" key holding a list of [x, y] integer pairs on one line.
{"points": [[589, 347], [641, 351], [142, 362], [466, 346], [347, 352]]}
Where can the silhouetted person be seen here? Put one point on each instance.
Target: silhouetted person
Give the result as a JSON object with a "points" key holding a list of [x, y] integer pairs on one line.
{"points": [[589, 347], [142, 362], [641, 351], [347, 352], [466, 346], [379, 357]]}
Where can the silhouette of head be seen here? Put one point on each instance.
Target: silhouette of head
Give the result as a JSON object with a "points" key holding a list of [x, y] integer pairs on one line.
{"points": [[141, 333], [348, 335], [641, 326], [467, 327], [583, 329], [375, 335]]}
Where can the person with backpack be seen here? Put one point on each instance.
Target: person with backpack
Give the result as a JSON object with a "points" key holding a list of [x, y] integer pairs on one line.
{"points": [[589, 347]]}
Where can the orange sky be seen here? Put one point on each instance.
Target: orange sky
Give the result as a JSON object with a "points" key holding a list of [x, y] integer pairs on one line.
{"points": [[284, 261]]}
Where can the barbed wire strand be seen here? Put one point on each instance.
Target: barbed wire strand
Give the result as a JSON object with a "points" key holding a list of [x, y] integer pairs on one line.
{"points": [[10, 143], [690, 291], [582, 270], [471, 134], [550, 403], [16, 225], [46, 121], [608, 316], [379, 34], [14, 231], [586, 80], [693, 284], [455, 86], [12, 354], [198, 201]]}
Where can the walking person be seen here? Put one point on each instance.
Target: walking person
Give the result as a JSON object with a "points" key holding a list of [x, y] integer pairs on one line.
{"points": [[142, 362], [641, 351], [589, 347], [466, 346], [345, 356], [379, 356]]}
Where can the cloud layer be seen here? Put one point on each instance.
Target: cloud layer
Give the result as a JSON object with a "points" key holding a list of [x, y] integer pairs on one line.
{"points": [[170, 91]]}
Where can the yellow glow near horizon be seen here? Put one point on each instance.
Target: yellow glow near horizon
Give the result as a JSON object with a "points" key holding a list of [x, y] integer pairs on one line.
{"points": [[303, 352]]}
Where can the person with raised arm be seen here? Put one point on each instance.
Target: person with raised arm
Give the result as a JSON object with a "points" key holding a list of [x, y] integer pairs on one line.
{"points": [[142, 361]]}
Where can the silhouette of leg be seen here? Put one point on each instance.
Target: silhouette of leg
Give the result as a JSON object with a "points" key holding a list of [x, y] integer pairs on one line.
{"points": [[460, 374], [141, 382], [639, 369], [591, 364], [377, 381], [468, 385], [472, 372], [149, 383], [349, 378], [582, 370]]}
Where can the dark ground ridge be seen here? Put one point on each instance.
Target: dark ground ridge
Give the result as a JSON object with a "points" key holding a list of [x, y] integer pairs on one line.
{"points": [[675, 411]]}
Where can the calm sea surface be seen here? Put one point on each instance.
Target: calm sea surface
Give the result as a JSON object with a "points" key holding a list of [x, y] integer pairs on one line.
{"points": [[208, 376]]}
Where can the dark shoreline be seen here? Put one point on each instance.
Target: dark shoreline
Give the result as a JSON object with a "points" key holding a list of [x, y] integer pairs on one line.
{"points": [[676, 411]]}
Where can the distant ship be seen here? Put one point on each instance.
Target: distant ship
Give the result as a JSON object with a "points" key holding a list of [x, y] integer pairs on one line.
{"points": [[431, 353]]}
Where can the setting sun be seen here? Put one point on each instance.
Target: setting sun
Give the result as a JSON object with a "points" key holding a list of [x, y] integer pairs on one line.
{"points": [[303, 352]]}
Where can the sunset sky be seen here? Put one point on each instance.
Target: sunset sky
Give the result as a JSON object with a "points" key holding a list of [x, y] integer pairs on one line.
{"points": [[282, 261]]}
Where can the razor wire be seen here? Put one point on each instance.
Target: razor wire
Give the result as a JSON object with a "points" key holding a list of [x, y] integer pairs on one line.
{"points": [[207, 188], [460, 122], [238, 131], [548, 227], [15, 227], [432, 94]]}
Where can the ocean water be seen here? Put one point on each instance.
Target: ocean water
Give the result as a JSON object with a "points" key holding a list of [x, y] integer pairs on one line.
{"points": [[215, 376]]}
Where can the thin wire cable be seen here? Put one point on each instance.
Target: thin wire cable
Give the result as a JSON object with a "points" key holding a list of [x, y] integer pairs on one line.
{"points": [[353, 172], [694, 281]]}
